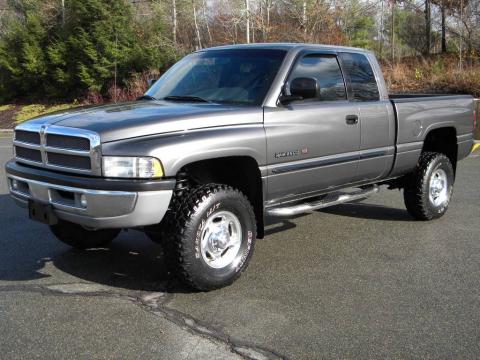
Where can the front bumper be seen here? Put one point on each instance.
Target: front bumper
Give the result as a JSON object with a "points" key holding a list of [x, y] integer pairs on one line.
{"points": [[91, 202]]}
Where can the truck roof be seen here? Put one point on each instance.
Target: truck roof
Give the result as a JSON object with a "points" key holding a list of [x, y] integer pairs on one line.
{"points": [[287, 47]]}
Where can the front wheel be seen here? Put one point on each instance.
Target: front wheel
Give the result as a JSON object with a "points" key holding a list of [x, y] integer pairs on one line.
{"points": [[212, 236], [428, 190]]}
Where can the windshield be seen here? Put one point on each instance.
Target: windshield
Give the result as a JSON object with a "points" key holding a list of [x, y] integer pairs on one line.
{"points": [[240, 76]]}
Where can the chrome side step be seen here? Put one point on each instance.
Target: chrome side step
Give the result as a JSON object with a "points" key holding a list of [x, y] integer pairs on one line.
{"points": [[330, 200]]}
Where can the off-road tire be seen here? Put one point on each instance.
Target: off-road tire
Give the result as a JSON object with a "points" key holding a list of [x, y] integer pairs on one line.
{"points": [[191, 212], [416, 190], [80, 238]]}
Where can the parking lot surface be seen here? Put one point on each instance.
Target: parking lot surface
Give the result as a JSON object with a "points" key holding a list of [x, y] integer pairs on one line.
{"points": [[356, 281]]}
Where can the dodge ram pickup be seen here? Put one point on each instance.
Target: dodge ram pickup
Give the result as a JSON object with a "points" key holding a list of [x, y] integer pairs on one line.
{"points": [[231, 136]]}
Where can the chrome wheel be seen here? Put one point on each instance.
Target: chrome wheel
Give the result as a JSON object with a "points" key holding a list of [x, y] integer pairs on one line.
{"points": [[221, 239], [438, 190]]}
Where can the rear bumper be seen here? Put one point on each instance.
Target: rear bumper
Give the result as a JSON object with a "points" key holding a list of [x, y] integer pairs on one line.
{"points": [[92, 202]]}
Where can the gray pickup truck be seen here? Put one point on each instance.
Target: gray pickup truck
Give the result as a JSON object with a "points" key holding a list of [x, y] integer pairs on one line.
{"points": [[228, 137]]}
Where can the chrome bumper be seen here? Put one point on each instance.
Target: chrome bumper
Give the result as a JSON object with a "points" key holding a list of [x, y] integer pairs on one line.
{"points": [[93, 208]]}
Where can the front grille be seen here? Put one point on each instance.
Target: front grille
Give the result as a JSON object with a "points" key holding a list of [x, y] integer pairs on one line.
{"points": [[69, 161], [58, 148], [68, 142], [28, 154], [27, 137]]}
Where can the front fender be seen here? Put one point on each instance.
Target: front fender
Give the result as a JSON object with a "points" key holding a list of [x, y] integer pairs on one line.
{"points": [[178, 149]]}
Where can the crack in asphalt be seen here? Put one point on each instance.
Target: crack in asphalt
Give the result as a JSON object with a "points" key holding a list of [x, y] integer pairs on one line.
{"points": [[155, 303]]}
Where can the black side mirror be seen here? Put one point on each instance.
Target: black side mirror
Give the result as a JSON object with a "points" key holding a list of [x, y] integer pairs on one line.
{"points": [[305, 87], [150, 82], [300, 89], [287, 99]]}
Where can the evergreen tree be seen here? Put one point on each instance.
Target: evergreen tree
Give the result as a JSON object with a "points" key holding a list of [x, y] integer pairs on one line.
{"points": [[23, 65], [97, 38], [46, 55]]}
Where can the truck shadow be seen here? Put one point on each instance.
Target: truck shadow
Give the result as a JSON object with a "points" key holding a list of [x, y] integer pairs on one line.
{"points": [[131, 262], [368, 211], [28, 251], [275, 225]]}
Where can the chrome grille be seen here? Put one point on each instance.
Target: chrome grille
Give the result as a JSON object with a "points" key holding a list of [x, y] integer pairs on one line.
{"points": [[28, 154], [27, 136], [69, 161], [68, 142], [60, 148]]}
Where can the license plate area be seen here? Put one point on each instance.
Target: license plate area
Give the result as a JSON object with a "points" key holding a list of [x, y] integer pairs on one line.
{"points": [[42, 213]]}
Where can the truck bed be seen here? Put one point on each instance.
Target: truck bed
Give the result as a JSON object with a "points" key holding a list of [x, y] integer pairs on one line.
{"points": [[419, 114]]}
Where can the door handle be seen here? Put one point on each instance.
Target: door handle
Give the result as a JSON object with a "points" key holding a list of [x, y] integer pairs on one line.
{"points": [[351, 119]]}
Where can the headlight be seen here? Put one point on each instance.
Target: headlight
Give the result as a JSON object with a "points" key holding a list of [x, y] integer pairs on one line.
{"points": [[132, 167]]}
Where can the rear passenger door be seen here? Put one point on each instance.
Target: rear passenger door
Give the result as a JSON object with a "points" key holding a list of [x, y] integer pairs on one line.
{"points": [[312, 144], [377, 127]]}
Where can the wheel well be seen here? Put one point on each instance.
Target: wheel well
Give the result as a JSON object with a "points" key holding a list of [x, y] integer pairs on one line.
{"points": [[240, 172], [444, 141]]}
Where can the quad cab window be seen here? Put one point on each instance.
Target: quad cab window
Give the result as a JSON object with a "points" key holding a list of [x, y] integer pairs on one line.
{"points": [[362, 78], [325, 70]]}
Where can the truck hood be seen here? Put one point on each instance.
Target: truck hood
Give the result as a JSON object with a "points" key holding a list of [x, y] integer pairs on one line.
{"points": [[141, 118]]}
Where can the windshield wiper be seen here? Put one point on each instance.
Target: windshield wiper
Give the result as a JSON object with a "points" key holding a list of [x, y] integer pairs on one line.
{"points": [[146, 97], [184, 98]]}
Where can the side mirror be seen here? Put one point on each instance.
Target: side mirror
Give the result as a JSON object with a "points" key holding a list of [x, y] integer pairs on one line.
{"points": [[287, 99], [150, 82], [300, 89], [305, 87]]}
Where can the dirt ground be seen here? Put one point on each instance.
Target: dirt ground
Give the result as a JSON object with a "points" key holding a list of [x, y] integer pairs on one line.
{"points": [[7, 117]]}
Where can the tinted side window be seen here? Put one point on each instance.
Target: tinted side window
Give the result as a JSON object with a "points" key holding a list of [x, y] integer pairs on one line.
{"points": [[361, 76], [326, 71]]}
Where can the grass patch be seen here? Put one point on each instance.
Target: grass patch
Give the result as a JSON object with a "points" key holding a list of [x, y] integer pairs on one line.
{"points": [[5, 107], [28, 112]]}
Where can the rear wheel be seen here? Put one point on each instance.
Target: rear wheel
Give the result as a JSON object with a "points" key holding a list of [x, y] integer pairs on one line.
{"points": [[80, 238], [428, 190], [212, 236]]}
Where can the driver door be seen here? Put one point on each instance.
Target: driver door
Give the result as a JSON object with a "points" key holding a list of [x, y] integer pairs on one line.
{"points": [[312, 144]]}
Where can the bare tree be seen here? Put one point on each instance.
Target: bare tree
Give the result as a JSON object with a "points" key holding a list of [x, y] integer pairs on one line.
{"points": [[304, 20], [174, 20], [205, 17], [63, 12], [428, 27], [197, 30], [392, 41], [247, 16]]}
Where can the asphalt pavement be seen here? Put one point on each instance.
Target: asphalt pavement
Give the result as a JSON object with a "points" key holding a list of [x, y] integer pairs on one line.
{"points": [[356, 281]]}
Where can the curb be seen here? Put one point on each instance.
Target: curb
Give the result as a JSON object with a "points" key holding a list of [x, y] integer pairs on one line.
{"points": [[475, 147]]}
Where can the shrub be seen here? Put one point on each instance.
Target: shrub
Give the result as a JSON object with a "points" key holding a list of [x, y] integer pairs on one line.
{"points": [[434, 74], [134, 87], [41, 57]]}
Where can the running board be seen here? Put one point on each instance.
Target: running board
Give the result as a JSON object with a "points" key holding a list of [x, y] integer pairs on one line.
{"points": [[329, 200]]}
